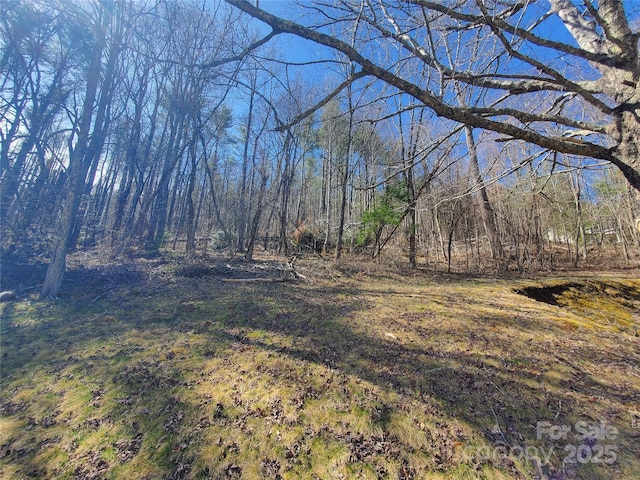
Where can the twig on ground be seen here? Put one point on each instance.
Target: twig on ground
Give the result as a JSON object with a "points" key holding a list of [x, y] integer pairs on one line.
{"points": [[250, 280], [504, 439]]}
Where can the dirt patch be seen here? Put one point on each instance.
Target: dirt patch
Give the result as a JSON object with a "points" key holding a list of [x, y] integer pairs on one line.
{"points": [[546, 294], [614, 300], [625, 292]]}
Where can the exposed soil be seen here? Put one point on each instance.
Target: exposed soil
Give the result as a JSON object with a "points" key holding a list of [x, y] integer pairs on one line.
{"points": [[626, 295], [612, 300]]}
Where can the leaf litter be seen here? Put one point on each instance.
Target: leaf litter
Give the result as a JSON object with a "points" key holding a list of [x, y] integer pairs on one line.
{"points": [[161, 369]]}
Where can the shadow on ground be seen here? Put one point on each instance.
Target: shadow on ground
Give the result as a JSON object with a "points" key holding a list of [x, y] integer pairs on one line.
{"points": [[155, 369]]}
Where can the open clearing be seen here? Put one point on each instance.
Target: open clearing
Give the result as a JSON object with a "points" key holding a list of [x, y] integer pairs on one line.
{"points": [[160, 369]]}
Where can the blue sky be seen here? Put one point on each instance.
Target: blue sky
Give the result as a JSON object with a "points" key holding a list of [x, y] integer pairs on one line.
{"points": [[299, 50]]}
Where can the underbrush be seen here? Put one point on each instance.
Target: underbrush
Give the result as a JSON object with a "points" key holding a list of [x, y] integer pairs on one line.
{"points": [[222, 369]]}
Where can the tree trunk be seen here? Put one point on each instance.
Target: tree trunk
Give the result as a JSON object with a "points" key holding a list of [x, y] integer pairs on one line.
{"points": [[342, 213], [190, 214], [345, 176], [256, 217], [285, 191], [78, 168], [486, 210], [241, 224], [579, 230], [159, 211], [327, 198]]}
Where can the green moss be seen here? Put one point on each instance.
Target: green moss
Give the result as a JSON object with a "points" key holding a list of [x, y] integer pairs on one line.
{"points": [[335, 377]]}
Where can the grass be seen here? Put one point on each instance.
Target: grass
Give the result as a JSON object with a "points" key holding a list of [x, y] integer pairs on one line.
{"points": [[148, 372]]}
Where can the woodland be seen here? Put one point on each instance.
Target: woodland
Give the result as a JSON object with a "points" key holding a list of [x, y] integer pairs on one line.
{"points": [[319, 239], [479, 135]]}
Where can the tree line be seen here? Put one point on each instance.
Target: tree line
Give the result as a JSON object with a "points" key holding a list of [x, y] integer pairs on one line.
{"points": [[131, 125]]}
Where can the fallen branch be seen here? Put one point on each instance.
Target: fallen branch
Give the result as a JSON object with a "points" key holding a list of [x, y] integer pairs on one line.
{"points": [[251, 280], [292, 268]]}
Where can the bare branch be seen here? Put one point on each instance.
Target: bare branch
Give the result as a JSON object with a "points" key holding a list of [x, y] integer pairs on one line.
{"points": [[241, 55], [458, 114], [298, 118], [500, 22]]}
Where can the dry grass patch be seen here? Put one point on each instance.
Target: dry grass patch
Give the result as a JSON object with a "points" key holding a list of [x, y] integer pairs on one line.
{"points": [[345, 375]]}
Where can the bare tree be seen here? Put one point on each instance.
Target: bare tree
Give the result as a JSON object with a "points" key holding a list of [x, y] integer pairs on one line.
{"points": [[335, 139], [484, 205], [35, 84], [84, 150], [606, 48]]}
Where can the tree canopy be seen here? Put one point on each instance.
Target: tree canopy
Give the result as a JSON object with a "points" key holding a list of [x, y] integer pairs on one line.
{"points": [[560, 75]]}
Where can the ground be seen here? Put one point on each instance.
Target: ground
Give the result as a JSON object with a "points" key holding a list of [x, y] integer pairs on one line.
{"points": [[148, 368]]}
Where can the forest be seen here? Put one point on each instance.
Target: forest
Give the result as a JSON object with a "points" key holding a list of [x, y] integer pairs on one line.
{"points": [[137, 125], [323, 239]]}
